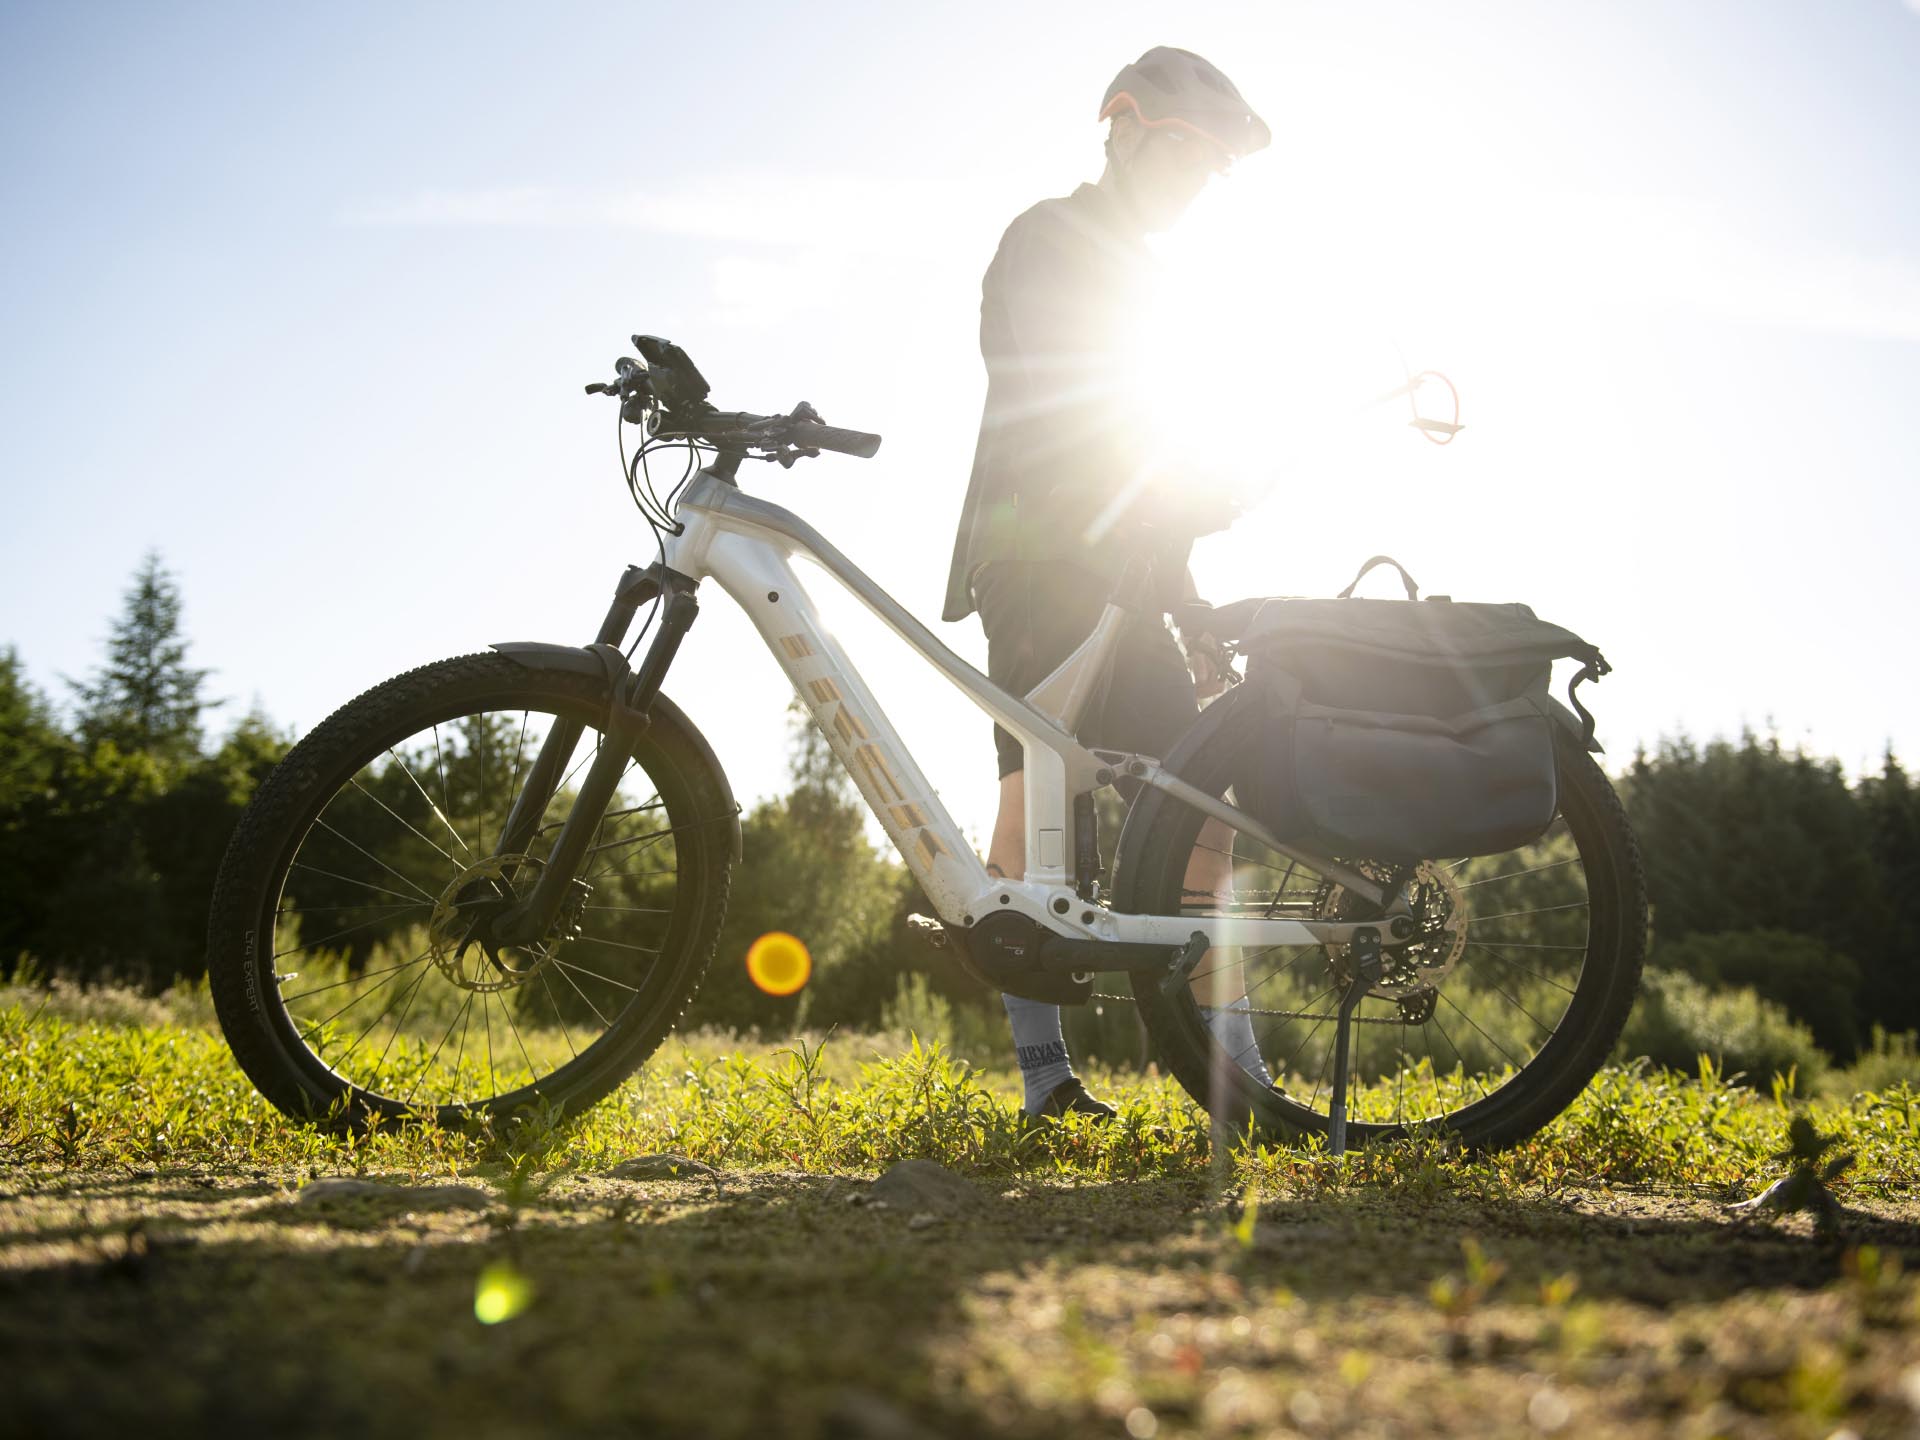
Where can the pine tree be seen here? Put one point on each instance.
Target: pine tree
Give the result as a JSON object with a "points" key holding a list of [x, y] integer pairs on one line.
{"points": [[146, 699]]}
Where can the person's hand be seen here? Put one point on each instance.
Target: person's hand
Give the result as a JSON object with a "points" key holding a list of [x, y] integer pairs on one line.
{"points": [[1209, 666]]}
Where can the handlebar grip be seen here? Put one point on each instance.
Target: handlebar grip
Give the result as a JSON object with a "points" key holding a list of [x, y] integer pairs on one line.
{"points": [[829, 437]]}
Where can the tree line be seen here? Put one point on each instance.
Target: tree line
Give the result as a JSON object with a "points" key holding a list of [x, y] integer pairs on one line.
{"points": [[1768, 869]]}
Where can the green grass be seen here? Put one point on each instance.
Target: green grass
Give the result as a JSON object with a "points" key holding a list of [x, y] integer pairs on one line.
{"points": [[1136, 1275], [105, 1079]]}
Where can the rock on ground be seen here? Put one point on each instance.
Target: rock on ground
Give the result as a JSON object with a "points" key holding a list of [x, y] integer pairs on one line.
{"points": [[665, 1166], [920, 1186]]}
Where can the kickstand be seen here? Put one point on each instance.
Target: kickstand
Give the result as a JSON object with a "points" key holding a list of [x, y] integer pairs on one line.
{"points": [[1184, 959], [1366, 970]]}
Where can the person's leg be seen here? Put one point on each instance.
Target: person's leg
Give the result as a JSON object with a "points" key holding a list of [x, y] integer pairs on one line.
{"points": [[1220, 979], [1151, 702], [1023, 646], [1039, 1043], [1007, 854]]}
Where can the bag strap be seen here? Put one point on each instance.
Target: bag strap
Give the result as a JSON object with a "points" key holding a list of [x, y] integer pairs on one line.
{"points": [[1413, 590]]}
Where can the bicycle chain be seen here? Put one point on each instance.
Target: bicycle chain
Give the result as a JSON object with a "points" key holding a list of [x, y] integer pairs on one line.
{"points": [[1279, 1014]]}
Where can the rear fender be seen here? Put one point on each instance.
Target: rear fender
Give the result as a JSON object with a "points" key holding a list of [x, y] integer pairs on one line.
{"points": [[1567, 718]]}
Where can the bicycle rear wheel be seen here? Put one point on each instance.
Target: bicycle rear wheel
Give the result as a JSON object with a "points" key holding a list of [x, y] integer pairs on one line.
{"points": [[337, 940], [1486, 1028]]}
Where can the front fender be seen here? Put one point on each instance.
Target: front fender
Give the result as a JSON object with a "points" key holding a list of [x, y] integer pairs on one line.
{"points": [[607, 662]]}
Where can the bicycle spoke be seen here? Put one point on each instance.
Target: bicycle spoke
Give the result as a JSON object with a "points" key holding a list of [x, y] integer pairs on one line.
{"points": [[1517, 1005], [349, 880], [565, 1031], [440, 764], [480, 803], [513, 787], [355, 782], [651, 838], [486, 1016], [409, 989], [1354, 1067], [533, 1073], [622, 945], [1458, 1059], [1288, 1067], [315, 1029], [1483, 1034], [322, 823], [595, 974], [404, 904], [438, 813], [398, 1024], [1504, 960], [583, 995], [329, 939], [1516, 874], [1515, 914], [350, 980], [460, 1055], [1242, 962], [1525, 945], [465, 1006], [1276, 974]]}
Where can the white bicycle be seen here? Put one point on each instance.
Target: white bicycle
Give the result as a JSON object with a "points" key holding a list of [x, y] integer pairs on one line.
{"points": [[496, 881]]}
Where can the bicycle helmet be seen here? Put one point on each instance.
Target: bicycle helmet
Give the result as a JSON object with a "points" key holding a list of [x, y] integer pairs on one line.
{"points": [[1172, 87]]}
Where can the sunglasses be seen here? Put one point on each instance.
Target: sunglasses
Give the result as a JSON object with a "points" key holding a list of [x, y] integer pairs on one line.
{"points": [[1195, 151]]}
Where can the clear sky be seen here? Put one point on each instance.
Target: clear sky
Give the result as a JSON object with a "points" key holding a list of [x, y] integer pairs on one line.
{"points": [[304, 298]]}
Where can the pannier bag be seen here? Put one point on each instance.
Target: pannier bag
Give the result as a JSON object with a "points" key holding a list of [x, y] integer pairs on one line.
{"points": [[1399, 730]]}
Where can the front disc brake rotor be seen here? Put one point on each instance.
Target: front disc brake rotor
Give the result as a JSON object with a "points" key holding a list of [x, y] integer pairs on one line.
{"points": [[460, 946]]}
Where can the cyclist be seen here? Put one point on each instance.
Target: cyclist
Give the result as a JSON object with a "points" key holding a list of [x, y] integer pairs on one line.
{"points": [[1055, 508]]}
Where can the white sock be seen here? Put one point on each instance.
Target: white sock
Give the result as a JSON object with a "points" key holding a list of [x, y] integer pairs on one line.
{"points": [[1041, 1048], [1232, 1026]]}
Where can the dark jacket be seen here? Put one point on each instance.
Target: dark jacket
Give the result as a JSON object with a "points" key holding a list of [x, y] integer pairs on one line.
{"points": [[1056, 442]]}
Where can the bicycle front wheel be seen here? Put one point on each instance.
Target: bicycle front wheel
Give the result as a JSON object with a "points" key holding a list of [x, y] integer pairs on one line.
{"points": [[1487, 1027], [338, 943]]}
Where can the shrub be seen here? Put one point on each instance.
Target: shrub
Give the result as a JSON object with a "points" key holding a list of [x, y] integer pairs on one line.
{"points": [[1678, 1019], [1815, 983], [1887, 1061]]}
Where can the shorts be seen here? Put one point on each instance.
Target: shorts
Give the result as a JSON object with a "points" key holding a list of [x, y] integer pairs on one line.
{"points": [[1035, 613]]}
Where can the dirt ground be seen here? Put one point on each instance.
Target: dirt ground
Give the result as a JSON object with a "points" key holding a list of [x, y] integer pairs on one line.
{"points": [[764, 1303]]}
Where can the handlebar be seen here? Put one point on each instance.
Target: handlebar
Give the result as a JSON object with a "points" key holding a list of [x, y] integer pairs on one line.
{"points": [[671, 392], [814, 435]]}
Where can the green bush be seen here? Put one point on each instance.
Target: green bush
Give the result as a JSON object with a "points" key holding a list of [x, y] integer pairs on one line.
{"points": [[1887, 1061], [1678, 1019], [1812, 981]]}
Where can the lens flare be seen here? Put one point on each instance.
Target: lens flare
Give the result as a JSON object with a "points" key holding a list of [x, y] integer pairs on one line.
{"points": [[778, 963], [503, 1292]]}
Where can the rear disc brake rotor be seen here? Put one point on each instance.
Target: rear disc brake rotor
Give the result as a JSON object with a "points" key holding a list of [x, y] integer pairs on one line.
{"points": [[1439, 913]]}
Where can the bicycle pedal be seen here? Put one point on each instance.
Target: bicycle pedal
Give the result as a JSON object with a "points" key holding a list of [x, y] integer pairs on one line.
{"points": [[925, 927]]}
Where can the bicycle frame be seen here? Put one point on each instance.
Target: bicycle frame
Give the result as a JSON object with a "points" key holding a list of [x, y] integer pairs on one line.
{"points": [[746, 545]]}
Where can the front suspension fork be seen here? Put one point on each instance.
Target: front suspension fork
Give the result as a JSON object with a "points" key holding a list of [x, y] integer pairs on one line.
{"points": [[628, 716]]}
